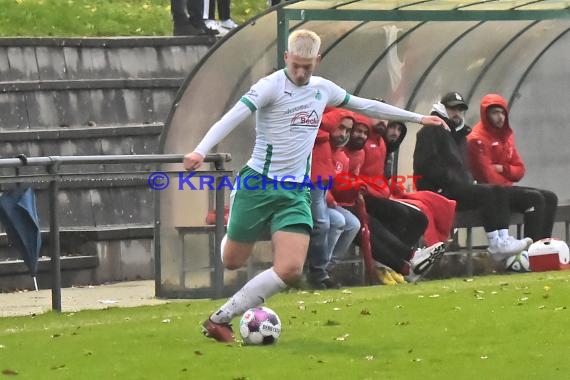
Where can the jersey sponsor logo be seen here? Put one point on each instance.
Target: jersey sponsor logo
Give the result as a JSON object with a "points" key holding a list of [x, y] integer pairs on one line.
{"points": [[297, 109], [305, 119], [318, 95]]}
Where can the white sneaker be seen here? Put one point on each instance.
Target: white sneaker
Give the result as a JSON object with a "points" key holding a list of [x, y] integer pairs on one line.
{"points": [[508, 247], [228, 24], [424, 259], [215, 25]]}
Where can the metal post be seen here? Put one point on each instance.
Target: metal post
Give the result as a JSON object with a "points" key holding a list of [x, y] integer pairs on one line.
{"points": [[219, 234], [54, 239], [282, 36]]}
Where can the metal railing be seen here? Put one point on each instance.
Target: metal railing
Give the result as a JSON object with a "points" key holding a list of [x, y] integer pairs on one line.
{"points": [[53, 164]]}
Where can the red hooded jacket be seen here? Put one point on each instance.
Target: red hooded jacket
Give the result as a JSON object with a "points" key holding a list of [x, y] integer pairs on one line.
{"points": [[322, 165], [374, 160], [346, 188], [488, 146], [439, 210]]}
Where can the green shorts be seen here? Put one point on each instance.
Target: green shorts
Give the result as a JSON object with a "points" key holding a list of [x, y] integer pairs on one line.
{"points": [[264, 203]]}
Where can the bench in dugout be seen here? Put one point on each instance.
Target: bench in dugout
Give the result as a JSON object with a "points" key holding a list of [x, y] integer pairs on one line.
{"points": [[471, 219], [354, 272]]}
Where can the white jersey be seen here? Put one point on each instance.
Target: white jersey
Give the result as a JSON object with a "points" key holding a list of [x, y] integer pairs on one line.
{"points": [[287, 120]]}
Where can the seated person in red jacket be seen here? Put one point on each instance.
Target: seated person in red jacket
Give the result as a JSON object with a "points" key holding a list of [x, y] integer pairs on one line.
{"points": [[494, 159], [340, 239], [395, 227], [409, 217], [334, 228], [440, 160]]}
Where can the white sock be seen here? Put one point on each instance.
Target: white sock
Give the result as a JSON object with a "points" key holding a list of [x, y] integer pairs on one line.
{"points": [[494, 238], [222, 245], [503, 234], [254, 293]]}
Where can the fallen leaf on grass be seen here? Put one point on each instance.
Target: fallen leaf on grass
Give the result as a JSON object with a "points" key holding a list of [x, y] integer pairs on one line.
{"points": [[342, 338], [369, 357], [434, 296], [484, 357], [417, 360], [167, 320], [198, 353], [331, 323], [364, 312], [346, 291], [58, 366], [560, 308], [9, 372]]}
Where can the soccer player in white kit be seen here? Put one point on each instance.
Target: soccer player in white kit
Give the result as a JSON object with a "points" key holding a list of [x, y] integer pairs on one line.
{"points": [[289, 105]]}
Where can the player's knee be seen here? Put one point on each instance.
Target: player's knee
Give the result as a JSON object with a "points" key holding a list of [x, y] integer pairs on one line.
{"points": [[232, 262], [234, 256], [290, 273]]}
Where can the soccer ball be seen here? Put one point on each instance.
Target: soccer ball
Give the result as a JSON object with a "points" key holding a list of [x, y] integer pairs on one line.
{"points": [[260, 325], [518, 263]]}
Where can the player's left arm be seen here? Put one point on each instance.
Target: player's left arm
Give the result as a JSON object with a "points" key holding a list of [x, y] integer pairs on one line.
{"points": [[373, 108]]}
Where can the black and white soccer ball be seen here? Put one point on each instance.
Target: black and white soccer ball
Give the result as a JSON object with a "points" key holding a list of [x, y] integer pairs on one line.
{"points": [[259, 326], [519, 263]]}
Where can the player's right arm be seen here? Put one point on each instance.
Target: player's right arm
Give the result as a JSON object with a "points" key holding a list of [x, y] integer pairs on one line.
{"points": [[257, 97]]}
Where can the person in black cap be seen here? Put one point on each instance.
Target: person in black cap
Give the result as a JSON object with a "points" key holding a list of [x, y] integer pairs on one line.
{"points": [[440, 158]]}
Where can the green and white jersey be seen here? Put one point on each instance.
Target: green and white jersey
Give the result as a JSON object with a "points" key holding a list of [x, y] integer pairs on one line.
{"points": [[287, 120]]}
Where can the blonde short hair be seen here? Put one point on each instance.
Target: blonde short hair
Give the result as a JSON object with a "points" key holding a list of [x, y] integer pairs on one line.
{"points": [[304, 43]]}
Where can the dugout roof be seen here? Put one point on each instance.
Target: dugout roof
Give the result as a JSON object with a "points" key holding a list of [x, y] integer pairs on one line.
{"points": [[407, 52]]}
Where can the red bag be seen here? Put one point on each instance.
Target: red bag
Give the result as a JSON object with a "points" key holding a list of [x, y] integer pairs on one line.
{"points": [[211, 217]]}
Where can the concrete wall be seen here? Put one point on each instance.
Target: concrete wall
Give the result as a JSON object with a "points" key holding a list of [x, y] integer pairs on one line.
{"points": [[91, 96]]}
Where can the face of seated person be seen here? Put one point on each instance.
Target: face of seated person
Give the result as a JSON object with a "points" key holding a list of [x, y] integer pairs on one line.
{"points": [[456, 114], [496, 117]]}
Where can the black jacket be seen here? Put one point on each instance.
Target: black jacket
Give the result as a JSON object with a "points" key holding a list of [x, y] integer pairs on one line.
{"points": [[440, 156], [391, 148]]}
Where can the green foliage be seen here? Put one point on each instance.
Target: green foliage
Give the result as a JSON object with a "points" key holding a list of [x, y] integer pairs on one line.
{"points": [[498, 327], [97, 18]]}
